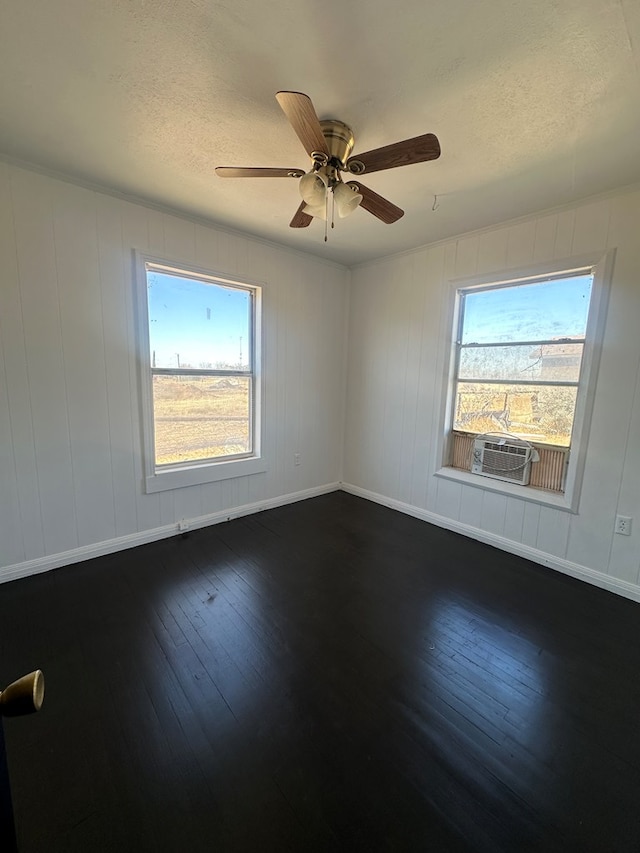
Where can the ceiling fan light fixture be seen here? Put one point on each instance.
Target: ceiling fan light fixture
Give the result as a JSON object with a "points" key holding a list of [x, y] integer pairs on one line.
{"points": [[317, 210], [313, 188], [346, 198]]}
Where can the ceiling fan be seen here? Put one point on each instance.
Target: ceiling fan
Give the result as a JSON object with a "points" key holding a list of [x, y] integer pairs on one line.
{"points": [[329, 143]]}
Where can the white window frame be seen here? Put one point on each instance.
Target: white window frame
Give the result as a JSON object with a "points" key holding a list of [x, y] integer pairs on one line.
{"points": [[193, 473], [601, 265]]}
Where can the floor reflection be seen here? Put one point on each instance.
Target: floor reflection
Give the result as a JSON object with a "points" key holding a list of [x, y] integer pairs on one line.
{"points": [[487, 673]]}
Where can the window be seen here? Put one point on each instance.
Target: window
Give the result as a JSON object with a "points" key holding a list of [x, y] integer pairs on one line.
{"points": [[519, 354], [524, 362], [199, 366]]}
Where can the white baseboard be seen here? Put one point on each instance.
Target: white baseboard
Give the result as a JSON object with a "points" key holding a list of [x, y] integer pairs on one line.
{"points": [[624, 588], [110, 546]]}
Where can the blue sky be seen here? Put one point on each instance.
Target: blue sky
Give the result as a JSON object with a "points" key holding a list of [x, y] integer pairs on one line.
{"points": [[196, 321], [540, 311]]}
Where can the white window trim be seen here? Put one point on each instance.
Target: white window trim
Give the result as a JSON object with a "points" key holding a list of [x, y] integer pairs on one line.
{"points": [[602, 266], [177, 477]]}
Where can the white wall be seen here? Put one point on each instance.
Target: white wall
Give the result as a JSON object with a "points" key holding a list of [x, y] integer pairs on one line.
{"points": [[396, 349], [70, 435]]}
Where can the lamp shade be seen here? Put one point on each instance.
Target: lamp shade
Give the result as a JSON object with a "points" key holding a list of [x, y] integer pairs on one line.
{"points": [[317, 210], [346, 198], [313, 188]]}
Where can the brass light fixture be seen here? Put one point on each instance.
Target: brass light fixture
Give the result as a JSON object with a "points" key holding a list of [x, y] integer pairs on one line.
{"points": [[24, 696], [322, 188]]}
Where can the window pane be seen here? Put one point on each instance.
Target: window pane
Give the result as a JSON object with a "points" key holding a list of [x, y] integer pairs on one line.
{"points": [[549, 362], [201, 417], [534, 412], [528, 312], [197, 324]]}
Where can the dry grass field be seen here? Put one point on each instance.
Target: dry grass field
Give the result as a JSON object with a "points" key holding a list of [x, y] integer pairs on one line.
{"points": [[543, 414], [200, 418]]}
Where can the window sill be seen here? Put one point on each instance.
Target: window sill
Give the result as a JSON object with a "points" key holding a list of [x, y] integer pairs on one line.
{"points": [[525, 493], [178, 478]]}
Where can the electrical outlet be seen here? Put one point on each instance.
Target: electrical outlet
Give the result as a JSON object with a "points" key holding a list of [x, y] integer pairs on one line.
{"points": [[296, 458], [623, 525]]}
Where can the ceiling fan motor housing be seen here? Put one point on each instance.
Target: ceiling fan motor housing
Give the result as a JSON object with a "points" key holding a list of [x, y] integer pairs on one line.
{"points": [[339, 139]]}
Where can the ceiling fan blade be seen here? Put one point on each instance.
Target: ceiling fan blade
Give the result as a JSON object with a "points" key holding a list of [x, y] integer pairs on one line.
{"points": [[300, 218], [233, 172], [303, 119], [416, 150], [377, 204]]}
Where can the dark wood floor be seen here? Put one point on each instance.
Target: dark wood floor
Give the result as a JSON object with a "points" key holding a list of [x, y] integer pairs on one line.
{"points": [[330, 675]]}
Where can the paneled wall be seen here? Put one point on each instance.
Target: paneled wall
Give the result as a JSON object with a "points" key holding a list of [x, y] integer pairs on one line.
{"points": [[70, 434], [397, 342]]}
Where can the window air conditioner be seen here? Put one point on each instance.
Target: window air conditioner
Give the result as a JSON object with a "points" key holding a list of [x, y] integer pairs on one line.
{"points": [[503, 458]]}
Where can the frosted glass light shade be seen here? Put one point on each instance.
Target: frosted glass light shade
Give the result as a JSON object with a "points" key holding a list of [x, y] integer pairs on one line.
{"points": [[317, 210], [313, 188], [347, 199]]}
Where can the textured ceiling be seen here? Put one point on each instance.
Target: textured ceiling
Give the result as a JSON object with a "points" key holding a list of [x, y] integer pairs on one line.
{"points": [[535, 104]]}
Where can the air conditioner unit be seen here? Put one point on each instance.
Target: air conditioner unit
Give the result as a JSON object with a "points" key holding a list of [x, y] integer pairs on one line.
{"points": [[502, 458]]}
